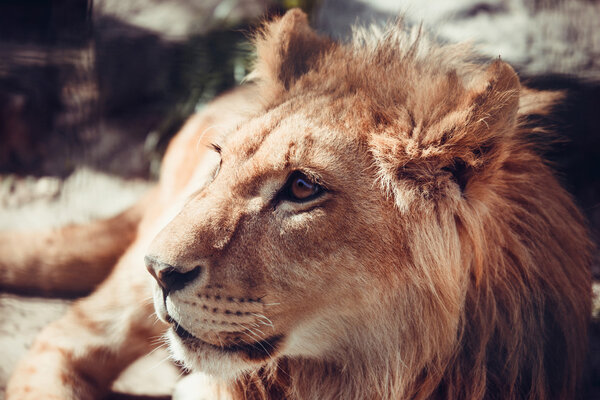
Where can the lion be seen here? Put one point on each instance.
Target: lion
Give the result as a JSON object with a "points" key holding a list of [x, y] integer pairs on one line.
{"points": [[367, 220]]}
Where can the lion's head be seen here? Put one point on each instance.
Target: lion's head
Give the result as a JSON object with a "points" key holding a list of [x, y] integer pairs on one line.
{"points": [[381, 229]]}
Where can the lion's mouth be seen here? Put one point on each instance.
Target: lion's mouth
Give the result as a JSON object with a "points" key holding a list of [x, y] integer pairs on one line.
{"points": [[256, 351]]}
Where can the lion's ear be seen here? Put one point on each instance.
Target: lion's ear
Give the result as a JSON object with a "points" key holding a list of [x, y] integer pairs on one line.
{"points": [[484, 137], [474, 138], [496, 104], [287, 48], [493, 103]]}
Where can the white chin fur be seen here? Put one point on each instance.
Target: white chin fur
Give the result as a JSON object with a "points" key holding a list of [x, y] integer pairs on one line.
{"points": [[210, 361]]}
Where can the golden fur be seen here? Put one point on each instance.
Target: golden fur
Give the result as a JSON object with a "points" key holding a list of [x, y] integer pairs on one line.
{"points": [[441, 260]]}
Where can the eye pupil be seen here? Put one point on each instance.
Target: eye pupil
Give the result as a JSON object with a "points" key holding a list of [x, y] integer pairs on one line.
{"points": [[301, 188], [303, 184]]}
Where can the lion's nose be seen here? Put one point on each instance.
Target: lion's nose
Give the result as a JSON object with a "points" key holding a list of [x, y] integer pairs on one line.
{"points": [[169, 277]]}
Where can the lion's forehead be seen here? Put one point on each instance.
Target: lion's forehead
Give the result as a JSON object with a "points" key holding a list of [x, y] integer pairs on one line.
{"points": [[268, 147]]}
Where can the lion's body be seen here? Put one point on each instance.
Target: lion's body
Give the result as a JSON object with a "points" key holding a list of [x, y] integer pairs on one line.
{"points": [[440, 258]]}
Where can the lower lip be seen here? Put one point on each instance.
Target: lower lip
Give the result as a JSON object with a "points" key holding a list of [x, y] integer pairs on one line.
{"points": [[257, 351]]}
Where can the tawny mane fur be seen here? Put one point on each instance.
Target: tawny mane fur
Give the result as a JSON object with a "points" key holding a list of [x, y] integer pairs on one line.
{"points": [[503, 266], [436, 258]]}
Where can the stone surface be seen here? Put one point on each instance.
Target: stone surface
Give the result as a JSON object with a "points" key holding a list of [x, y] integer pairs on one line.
{"points": [[30, 203]]}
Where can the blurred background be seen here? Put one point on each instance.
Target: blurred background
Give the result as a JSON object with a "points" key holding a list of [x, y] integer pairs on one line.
{"points": [[91, 91]]}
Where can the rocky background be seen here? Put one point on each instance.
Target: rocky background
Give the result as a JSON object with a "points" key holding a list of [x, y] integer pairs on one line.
{"points": [[91, 92]]}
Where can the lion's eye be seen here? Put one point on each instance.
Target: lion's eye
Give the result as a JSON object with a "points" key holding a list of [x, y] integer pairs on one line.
{"points": [[300, 187]]}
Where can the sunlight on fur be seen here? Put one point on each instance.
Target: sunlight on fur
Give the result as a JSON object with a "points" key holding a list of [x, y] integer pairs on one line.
{"points": [[370, 220]]}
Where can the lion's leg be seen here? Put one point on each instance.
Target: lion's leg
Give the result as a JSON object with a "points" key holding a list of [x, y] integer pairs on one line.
{"points": [[80, 355], [70, 260]]}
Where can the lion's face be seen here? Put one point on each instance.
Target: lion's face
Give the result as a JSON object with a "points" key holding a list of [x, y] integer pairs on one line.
{"points": [[280, 250], [343, 223], [331, 217]]}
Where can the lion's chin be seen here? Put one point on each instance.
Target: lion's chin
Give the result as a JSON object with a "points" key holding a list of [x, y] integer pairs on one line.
{"points": [[227, 362]]}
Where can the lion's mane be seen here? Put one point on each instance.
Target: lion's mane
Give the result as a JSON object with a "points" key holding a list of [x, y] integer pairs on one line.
{"points": [[518, 329]]}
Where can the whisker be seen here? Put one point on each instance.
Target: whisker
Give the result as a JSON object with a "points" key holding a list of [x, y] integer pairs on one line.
{"points": [[260, 344], [243, 340], [158, 364], [220, 341], [162, 346], [260, 338], [263, 318], [158, 339], [156, 319], [261, 332], [184, 370]]}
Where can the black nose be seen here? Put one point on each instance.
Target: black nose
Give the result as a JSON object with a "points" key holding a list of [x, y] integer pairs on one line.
{"points": [[171, 278]]}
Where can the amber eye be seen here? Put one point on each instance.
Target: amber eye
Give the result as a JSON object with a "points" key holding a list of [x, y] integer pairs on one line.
{"points": [[300, 187]]}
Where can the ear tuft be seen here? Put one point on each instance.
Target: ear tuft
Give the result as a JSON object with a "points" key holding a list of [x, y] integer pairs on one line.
{"points": [[287, 48], [497, 104]]}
